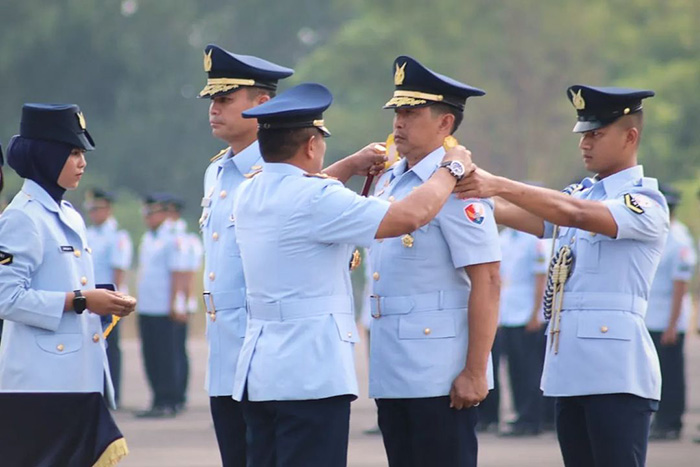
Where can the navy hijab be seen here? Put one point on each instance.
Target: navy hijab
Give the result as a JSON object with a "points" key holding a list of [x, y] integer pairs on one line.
{"points": [[40, 161]]}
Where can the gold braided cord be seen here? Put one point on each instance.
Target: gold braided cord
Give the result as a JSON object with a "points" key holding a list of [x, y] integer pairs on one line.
{"points": [[111, 456], [216, 85], [419, 95], [560, 271], [401, 101]]}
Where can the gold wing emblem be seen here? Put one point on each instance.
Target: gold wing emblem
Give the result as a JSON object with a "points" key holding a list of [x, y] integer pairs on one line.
{"points": [[207, 61], [400, 74], [577, 100], [81, 120]]}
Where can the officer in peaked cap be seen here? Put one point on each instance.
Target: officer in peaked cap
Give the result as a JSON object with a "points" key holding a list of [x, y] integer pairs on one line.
{"points": [[235, 83], [428, 370], [667, 320], [600, 362], [296, 228]]}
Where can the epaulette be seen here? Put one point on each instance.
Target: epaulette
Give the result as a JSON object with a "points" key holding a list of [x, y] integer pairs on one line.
{"points": [[253, 173], [219, 155], [320, 175]]}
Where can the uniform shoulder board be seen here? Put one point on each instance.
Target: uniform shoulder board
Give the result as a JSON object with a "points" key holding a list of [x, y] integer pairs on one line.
{"points": [[253, 173], [320, 175], [219, 155]]}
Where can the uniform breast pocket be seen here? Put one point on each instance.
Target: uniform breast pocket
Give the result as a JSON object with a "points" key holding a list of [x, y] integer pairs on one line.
{"points": [[589, 250], [432, 325], [231, 244], [606, 325], [60, 344]]}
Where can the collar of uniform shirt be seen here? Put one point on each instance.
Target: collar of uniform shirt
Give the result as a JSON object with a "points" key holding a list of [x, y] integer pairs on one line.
{"points": [[423, 169], [247, 158], [283, 168], [37, 193], [614, 182]]}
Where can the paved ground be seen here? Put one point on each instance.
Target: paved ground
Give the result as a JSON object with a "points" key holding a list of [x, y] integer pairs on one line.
{"points": [[188, 440]]}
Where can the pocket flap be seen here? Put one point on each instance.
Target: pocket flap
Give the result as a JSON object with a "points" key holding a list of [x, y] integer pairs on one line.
{"points": [[433, 325], [60, 344], [605, 325], [347, 330]]}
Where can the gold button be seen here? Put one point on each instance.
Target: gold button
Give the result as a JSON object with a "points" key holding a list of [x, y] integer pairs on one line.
{"points": [[391, 198], [96, 337], [426, 331], [349, 335], [215, 236], [222, 195], [604, 329], [212, 276], [375, 276], [83, 280], [88, 249], [77, 253], [60, 347]]}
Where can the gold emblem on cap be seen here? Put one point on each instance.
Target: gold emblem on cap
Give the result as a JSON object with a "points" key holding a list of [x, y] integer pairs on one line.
{"points": [[400, 74], [407, 241], [207, 61], [450, 142], [627, 110], [81, 120], [577, 100]]}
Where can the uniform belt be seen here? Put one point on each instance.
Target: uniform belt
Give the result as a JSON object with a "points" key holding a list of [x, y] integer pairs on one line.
{"points": [[604, 301], [217, 301], [301, 308], [403, 305]]}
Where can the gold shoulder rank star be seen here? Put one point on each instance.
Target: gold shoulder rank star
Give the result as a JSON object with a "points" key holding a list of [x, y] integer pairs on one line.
{"points": [[632, 204], [253, 173], [219, 155], [320, 175]]}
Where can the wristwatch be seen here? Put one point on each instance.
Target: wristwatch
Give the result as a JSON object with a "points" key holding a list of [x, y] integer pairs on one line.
{"points": [[456, 168], [79, 302]]}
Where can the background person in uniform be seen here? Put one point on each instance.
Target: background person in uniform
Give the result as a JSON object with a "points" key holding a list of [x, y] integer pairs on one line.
{"points": [[236, 83], [112, 252], [296, 230], [2, 208], [667, 321], [523, 278], [435, 289], [159, 262], [52, 338], [601, 364]]}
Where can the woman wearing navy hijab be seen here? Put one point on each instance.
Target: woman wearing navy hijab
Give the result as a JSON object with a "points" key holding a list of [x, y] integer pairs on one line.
{"points": [[53, 366]]}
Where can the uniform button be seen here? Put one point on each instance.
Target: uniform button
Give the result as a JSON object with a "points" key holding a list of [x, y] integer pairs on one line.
{"points": [[77, 253], [212, 276], [222, 195], [349, 335], [604, 329], [83, 280], [88, 249], [426, 331], [391, 199], [215, 236], [60, 347], [96, 337], [375, 276]]}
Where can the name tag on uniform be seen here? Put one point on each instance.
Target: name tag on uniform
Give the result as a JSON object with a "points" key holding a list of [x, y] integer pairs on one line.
{"points": [[206, 202], [67, 249]]}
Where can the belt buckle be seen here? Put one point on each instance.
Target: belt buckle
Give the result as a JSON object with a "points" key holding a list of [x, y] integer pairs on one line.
{"points": [[378, 314], [210, 305]]}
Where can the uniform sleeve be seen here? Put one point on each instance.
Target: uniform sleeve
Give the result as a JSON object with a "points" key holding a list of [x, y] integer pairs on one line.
{"points": [[122, 251], [639, 216], [22, 254], [684, 262], [339, 215], [542, 251], [197, 252], [548, 230], [178, 256], [470, 230]]}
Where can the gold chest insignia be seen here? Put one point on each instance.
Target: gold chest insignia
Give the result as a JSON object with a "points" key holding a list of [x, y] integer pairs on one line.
{"points": [[356, 260], [407, 241]]}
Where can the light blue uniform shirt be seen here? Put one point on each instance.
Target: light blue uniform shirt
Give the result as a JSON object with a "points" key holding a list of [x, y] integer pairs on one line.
{"points": [[677, 264], [44, 349], [159, 256], [223, 271], [111, 249], [524, 257], [604, 345], [296, 235], [419, 333]]}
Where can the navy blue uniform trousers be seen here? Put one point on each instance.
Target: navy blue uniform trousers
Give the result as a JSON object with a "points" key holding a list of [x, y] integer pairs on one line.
{"points": [[672, 404], [298, 433], [607, 430], [157, 343], [426, 432], [230, 429]]}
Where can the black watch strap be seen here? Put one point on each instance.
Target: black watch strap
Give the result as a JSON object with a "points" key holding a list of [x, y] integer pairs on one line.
{"points": [[79, 302]]}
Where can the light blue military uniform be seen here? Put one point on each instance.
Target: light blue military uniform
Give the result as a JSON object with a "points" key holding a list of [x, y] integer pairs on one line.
{"points": [[160, 254], [223, 271], [604, 346], [45, 349], [524, 257], [677, 264], [111, 249], [296, 234], [419, 334]]}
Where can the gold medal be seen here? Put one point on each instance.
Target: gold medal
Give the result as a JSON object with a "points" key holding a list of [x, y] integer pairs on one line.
{"points": [[407, 241], [391, 152], [356, 260], [450, 142]]}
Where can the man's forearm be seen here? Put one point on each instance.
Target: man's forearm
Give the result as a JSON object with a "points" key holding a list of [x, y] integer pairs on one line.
{"points": [[680, 288]]}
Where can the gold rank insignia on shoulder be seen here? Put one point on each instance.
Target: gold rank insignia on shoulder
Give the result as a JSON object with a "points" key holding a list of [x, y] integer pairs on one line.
{"points": [[218, 155], [450, 142], [632, 204], [356, 260], [320, 175], [207, 61], [400, 74], [253, 173], [577, 100], [407, 241]]}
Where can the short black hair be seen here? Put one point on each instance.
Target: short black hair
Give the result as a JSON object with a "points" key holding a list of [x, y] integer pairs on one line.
{"points": [[254, 91], [441, 109], [281, 144]]}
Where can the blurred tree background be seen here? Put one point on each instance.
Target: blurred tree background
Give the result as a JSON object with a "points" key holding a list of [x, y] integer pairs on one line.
{"points": [[135, 67]]}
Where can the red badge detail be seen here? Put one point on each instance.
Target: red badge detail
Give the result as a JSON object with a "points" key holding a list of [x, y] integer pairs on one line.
{"points": [[475, 212]]}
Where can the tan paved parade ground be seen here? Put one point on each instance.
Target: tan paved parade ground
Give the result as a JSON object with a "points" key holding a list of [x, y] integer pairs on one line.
{"points": [[188, 440]]}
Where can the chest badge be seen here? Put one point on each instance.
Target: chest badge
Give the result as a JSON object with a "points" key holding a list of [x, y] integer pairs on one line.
{"points": [[355, 260], [407, 241]]}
